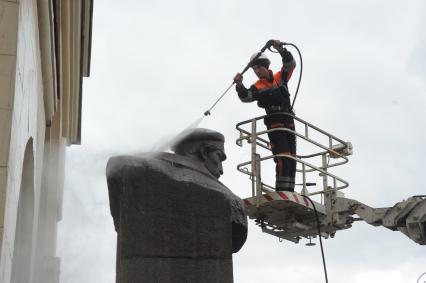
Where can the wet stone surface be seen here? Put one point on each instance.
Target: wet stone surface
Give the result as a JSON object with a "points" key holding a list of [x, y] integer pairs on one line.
{"points": [[175, 221]]}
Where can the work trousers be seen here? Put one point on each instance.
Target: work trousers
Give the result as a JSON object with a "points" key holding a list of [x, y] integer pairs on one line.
{"points": [[283, 142]]}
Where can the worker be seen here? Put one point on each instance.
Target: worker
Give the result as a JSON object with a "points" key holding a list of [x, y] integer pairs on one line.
{"points": [[271, 93]]}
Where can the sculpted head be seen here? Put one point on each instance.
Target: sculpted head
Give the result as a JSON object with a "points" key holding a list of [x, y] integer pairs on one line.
{"points": [[205, 146]]}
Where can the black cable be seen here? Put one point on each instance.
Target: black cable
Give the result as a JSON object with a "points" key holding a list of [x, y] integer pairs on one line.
{"points": [[300, 74], [319, 235], [421, 275]]}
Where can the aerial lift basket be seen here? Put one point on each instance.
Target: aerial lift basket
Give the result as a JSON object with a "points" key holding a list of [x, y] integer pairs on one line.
{"points": [[291, 215]]}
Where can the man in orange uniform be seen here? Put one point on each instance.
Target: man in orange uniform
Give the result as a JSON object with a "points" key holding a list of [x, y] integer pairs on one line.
{"points": [[271, 93]]}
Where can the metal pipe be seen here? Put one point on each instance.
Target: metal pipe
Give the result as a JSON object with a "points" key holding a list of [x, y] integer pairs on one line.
{"points": [[324, 176], [253, 157]]}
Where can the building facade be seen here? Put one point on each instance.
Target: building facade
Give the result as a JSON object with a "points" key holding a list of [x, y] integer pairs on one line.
{"points": [[44, 55]]}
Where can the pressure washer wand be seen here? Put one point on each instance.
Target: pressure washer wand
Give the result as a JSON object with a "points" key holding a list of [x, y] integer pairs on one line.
{"points": [[214, 104], [267, 45]]}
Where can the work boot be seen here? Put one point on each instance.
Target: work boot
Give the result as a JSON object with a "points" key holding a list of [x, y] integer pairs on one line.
{"points": [[284, 184]]}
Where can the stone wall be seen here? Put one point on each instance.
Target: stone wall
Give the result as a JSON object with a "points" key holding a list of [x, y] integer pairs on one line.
{"points": [[23, 140], [39, 116], [8, 35]]}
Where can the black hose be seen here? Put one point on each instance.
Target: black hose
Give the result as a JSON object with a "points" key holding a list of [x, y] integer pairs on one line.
{"points": [[300, 74], [319, 235]]}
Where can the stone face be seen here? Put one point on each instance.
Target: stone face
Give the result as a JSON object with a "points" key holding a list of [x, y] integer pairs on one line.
{"points": [[175, 221]]}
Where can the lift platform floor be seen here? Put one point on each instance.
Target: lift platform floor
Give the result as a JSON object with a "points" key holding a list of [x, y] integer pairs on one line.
{"points": [[287, 215]]}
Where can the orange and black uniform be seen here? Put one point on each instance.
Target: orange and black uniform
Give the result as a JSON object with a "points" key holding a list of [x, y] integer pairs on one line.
{"points": [[272, 95]]}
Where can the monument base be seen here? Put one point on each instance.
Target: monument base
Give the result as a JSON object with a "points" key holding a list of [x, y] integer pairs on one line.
{"points": [[177, 270]]}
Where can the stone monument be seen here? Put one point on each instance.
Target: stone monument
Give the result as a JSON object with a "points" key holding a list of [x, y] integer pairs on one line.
{"points": [[175, 221]]}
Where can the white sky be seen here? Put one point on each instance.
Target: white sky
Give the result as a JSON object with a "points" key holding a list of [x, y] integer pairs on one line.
{"points": [[157, 66]]}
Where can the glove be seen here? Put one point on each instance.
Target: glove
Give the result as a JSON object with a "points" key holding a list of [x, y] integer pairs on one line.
{"points": [[238, 79], [277, 44]]}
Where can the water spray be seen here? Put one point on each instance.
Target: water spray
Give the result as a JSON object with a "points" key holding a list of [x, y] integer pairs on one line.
{"points": [[167, 143]]}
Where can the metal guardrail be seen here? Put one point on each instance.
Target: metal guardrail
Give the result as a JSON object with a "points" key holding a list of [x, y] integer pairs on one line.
{"points": [[336, 149]]}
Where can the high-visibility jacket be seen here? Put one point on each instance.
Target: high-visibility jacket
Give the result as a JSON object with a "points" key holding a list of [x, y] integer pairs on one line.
{"points": [[272, 91]]}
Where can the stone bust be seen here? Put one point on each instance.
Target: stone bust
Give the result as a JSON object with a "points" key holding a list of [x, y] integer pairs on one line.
{"points": [[175, 221]]}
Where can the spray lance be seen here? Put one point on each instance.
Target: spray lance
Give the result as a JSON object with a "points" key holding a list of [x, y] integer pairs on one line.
{"points": [[268, 46], [191, 127]]}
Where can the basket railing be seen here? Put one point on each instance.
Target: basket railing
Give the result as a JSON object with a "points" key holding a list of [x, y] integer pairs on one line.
{"points": [[334, 149]]}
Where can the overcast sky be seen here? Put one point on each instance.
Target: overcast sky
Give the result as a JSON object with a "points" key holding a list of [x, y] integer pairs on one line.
{"points": [[157, 66]]}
